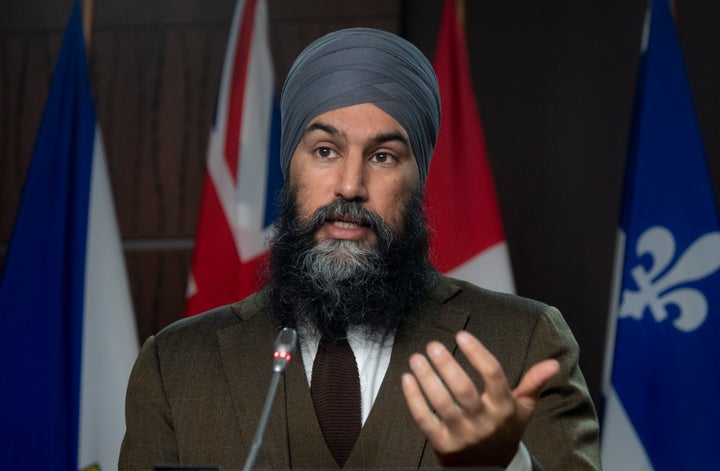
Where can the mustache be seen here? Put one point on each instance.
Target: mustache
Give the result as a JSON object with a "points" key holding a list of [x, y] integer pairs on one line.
{"points": [[349, 211]]}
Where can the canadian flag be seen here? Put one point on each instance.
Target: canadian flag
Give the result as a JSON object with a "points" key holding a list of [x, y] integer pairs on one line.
{"points": [[243, 169], [467, 239]]}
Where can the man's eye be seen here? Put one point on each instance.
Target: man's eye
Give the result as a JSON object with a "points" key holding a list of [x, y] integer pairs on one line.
{"points": [[382, 158], [324, 152]]}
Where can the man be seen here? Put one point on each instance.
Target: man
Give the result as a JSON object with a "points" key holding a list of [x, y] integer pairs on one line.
{"points": [[499, 384]]}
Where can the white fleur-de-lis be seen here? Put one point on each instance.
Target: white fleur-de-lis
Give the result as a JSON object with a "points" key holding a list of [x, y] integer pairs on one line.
{"points": [[656, 292]]}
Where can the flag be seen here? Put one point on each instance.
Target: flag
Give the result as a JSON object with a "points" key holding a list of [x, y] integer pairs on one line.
{"points": [[67, 331], [663, 363], [243, 169], [467, 239]]}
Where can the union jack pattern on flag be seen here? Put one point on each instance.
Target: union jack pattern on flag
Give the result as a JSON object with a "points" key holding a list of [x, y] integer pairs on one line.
{"points": [[243, 169], [467, 240]]}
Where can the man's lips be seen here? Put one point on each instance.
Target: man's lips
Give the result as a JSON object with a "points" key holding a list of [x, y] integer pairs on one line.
{"points": [[345, 228], [344, 224], [346, 221]]}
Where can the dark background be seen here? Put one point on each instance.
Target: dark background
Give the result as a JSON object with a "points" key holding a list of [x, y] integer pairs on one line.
{"points": [[554, 82]]}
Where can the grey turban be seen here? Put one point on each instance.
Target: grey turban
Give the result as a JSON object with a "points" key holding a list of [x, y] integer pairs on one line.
{"points": [[362, 65]]}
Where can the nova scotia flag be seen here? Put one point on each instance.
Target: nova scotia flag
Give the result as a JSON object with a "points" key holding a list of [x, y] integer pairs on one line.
{"points": [[662, 379], [67, 331]]}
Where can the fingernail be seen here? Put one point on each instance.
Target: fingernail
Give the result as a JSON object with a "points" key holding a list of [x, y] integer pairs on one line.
{"points": [[462, 337]]}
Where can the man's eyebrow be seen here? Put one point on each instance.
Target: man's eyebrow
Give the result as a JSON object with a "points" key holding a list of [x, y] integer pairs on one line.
{"points": [[320, 126], [390, 136]]}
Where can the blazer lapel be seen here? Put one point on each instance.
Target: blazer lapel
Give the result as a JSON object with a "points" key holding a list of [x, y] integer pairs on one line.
{"points": [[246, 356], [390, 437], [292, 438]]}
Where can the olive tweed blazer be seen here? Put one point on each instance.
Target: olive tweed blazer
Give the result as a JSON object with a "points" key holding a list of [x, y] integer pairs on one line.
{"points": [[197, 388]]}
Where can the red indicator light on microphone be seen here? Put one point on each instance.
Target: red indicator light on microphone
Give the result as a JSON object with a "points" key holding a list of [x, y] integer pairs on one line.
{"points": [[284, 355]]}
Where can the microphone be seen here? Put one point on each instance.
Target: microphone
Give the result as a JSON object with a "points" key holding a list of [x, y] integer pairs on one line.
{"points": [[285, 346]]}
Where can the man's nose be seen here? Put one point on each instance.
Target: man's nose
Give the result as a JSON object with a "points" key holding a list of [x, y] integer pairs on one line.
{"points": [[352, 178]]}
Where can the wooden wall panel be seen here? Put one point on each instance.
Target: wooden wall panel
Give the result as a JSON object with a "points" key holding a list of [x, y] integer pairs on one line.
{"points": [[26, 65], [155, 97], [294, 24], [158, 279]]}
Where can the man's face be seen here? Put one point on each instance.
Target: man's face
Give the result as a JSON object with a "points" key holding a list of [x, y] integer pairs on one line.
{"points": [[357, 153]]}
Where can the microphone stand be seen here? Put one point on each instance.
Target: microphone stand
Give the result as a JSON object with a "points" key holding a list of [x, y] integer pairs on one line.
{"points": [[284, 347]]}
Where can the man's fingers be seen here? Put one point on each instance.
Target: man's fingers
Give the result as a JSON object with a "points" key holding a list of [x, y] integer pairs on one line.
{"points": [[486, 364], [426, 420], [433, 387], [532, 384], [454, 377]]}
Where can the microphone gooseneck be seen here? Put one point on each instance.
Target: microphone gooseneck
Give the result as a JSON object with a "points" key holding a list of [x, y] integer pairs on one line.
{"points": [[285, 347]]}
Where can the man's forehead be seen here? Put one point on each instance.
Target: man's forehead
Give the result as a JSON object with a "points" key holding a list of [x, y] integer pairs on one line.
{"points": [[365, 116]]}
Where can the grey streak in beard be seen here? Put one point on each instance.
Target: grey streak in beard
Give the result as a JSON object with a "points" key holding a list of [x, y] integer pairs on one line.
{"points": [[334, 266], [332, 261]]}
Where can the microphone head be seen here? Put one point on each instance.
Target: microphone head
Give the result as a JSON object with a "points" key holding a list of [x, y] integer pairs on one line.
{"points": [[285, 347]]}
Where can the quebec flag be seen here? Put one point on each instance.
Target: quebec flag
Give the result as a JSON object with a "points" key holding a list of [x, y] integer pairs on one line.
{"points": [[67, 331], [662, 382]]}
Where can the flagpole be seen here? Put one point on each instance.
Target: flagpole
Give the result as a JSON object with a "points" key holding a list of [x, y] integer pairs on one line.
{"points": [[673, 11], [87, 14], [460, 12]]}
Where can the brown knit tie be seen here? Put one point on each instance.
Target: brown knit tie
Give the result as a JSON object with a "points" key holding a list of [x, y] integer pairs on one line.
{"points": [[335, 392]]}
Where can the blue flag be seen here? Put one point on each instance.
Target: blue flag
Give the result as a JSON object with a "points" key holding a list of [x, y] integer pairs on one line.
{"points": [[662, 409], [67, 333]]}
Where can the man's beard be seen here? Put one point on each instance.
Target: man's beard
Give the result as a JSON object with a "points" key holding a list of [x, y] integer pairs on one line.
{"points": [[333, 284]]}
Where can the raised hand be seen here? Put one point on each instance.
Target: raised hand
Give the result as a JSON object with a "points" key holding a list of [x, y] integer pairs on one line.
{"points": [[466, 427]]}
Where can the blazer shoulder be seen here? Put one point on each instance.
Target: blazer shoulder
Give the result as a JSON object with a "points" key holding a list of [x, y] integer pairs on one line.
{"points": [[504, 318], [461, 294], [210, 322]]}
